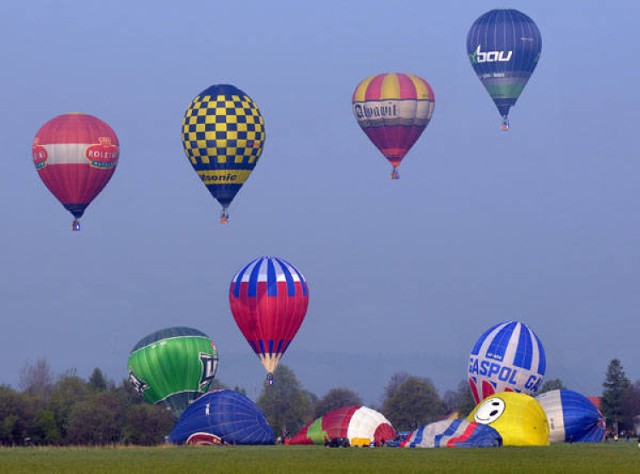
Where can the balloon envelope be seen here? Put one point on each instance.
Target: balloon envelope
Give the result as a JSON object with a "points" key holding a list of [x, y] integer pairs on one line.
{"points": [[173, 366], [453, 434], [360, 424], [223, 136], [518, 418], [75, 155], [269, 299], [504, 47], [393, 110], [224, 414], [572, 417], [507, 357]]}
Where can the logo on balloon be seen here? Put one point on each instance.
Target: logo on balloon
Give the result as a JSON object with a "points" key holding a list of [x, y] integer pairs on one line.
{"points": [[138, 384], [102, 155], [489, 56], [377, 110], [40, 155]]}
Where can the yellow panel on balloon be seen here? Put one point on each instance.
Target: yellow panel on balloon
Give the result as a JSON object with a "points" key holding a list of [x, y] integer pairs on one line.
{"points": [[519, 418]]}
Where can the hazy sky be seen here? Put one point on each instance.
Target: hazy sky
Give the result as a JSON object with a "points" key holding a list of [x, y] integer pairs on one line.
{"points": [[539, 224]]}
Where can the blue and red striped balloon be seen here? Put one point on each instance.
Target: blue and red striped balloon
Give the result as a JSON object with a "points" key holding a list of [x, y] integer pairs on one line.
{"points": [[508, 357], [269, 299]]}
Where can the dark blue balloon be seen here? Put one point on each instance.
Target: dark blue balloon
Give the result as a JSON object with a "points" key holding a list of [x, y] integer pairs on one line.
{"points": [[504, 48], [225, 414]]}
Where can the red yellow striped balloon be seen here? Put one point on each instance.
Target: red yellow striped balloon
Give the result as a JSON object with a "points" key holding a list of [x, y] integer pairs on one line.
{"points": [[393, 109]]}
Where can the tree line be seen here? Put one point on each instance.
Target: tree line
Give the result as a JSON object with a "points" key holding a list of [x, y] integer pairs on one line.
{"points": [[69, 410]]}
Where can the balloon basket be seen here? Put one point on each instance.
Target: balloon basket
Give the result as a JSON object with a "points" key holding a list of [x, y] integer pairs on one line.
{"points": [[505, 125], [75, 225], [269, 379], [395, 174], [224, 217]]}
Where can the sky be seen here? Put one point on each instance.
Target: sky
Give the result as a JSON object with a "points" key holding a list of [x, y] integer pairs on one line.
{"points": [[539, 224]]}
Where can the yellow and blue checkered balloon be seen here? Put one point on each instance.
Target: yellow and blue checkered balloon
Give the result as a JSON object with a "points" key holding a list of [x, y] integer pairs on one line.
{"points": [[223, 135]]}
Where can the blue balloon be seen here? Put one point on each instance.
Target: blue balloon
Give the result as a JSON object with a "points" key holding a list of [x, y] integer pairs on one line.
{"points": [[454, 434], [572, 417], [504, 48], [222, 416]]}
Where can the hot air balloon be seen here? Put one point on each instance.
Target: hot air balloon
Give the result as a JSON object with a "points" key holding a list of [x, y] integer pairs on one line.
{"points": [[453, 434], [393, 110], [507, 357], [222, 416], [223, 135], [504, 48], [359, 424], [572, 417], [173, 366], [75, 155], [518, 418], [269, 299]]}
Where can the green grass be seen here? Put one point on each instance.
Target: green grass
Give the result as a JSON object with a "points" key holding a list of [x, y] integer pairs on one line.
{"points": [[618, 457]]}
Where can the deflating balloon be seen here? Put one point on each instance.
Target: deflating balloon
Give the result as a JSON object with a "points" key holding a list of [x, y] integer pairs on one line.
{"points": [[222, 416], [223, 135], [173, 366], [518, 418], [75, 156], [572, 417], [453, 434], [504, 48], [507, 357], [269, 299], [393, 110], [359, 424]]}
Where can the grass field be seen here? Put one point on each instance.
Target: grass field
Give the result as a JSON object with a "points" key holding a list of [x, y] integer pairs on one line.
{"points": [[618, 457]]}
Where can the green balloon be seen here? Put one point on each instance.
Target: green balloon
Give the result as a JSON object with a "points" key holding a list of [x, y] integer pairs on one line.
{"points": [[173, 366]]}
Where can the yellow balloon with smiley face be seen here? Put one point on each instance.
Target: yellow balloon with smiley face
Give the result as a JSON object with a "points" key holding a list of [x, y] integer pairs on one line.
{"points": [[519, 418]]}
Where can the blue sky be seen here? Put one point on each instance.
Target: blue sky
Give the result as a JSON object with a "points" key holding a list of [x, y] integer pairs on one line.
{"points": [[539, 224]]}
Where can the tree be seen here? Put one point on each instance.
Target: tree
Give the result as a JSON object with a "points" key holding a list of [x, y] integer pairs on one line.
{"points": [[285, 404], [97, 420], [553, 384], [615, 385], [147, 425], [412, 403], [460, 400], [630, 405], [97, 381], [36, 378], [336, 398], [67, 392]]}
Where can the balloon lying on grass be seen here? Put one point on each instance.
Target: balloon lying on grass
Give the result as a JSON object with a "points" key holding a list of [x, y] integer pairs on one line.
{"points": [[572, 417], [268, 299], [518, 418], [504, 48], [359, 424], [222, 416], [223, 136], [393, 110], [173, 366], [508, 357], [453, 434], [75, 155]]}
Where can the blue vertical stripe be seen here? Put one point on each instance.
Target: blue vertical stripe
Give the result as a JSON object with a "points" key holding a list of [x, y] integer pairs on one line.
{"points": [[272, 278], [271, 346], [542, 362], [236, 289], [261, 343], [479, 342], [291, 286], [253, 279], [524, 350], [305, 290], [498, 346]]}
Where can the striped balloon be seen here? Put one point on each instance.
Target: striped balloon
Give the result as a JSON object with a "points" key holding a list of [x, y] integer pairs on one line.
{"points": [[453, 434], [572, 417], [508, 357], [269, 299], [75, 155], [504, 48], [393, 110]]}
